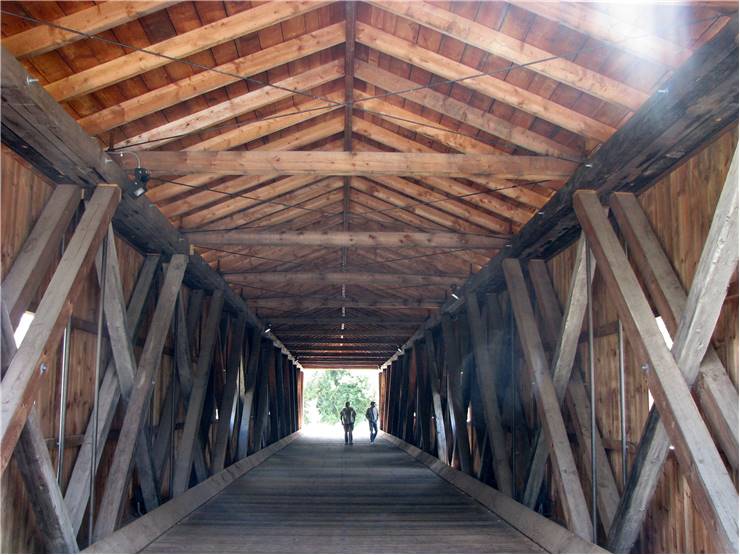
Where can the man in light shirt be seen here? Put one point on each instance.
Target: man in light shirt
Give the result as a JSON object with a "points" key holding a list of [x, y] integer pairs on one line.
{"points": [[372, 417]]}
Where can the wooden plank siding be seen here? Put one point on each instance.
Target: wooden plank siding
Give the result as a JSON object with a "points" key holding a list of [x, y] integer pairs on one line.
{"points": [[680, 208], [25, 193], [348, 178]]}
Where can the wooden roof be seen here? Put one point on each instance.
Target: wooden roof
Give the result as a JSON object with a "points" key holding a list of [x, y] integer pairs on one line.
{"points": [[540, 84]]}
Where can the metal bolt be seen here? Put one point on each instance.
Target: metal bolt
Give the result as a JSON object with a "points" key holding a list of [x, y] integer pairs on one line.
{"points": [[30, 80], [645, 367], [43, 368], [662, 91], [589, 165]]}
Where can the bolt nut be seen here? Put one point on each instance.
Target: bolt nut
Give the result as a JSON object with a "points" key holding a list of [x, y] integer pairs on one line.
{"points": [[645, 367], [43, 368]]}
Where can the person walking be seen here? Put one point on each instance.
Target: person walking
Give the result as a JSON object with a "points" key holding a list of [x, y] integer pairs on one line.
{"points": [[347, 416], [372, 417]]}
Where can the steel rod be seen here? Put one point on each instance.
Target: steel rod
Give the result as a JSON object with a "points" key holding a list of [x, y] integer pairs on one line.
{"points": [[173, 410], [63, 393], [622, 413], [622, 409], [63, 400], [96, 385], [591, 373]]}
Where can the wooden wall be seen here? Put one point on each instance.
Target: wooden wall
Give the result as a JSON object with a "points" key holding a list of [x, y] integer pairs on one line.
{"points": [[24, 194], [680, 207]]}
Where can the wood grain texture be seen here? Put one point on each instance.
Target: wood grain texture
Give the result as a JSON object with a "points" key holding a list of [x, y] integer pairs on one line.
{"points": [[397, 505]]}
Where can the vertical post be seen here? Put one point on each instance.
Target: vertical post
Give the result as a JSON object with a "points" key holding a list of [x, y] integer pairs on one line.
{"points": [[96, 383], [622, 413], [515, 399], [592, 379]]}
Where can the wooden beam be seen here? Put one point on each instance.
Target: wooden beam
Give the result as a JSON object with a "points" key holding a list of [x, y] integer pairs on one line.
{"points": [[517, 51], [484, 373], [490, 86], [33, 461], [355, 239], [40, 130], [179, 46], [716, 393], [350, 163], [712, 488], [495, 187], [318, 343], [93, 20], [316, 195], [578, 403], [563, 359], [198, 186], [460, 111], [196, 203], [407, 210], [303, 303], [263, 395], [228, 402], [78, 487], [692, 336], [434, 377], [40, 247], [206, 81], [346, 278], [251, 371], [633, 38], [458, 412], [700, 91], [360, 321], [119, 473], [233, 107], [125, 362], [444, 203], [349, 349], [189, 440], [565, 471], [21, 380]]}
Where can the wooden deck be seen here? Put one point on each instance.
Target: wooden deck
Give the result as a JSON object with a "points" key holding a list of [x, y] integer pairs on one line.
{"points": [[318, 495]]}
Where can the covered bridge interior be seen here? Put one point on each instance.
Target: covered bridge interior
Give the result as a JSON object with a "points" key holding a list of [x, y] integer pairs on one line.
{"points": [[522, 217]]}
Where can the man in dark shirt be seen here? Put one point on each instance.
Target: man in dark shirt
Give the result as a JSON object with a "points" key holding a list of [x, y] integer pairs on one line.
{"points": [[347, 416]]}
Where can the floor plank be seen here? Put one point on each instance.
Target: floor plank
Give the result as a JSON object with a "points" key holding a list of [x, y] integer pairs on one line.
{"points": [[318, 495]]}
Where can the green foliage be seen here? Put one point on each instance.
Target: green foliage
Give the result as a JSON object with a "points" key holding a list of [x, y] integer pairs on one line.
{"points": [[328, 391]]}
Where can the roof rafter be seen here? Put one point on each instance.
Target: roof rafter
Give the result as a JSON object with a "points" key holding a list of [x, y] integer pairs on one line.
{"points": [[219, 198], [179, 46], [409, 204], [620, 34], [206, 81], [247, 132], [465, 114], [95, 19], [499, 186], [255, 190], [312, 197], [517, 51], [223, 111], [490, 86]]}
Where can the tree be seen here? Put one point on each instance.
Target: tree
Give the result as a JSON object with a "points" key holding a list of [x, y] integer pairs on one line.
{"points": [[331, 389]]}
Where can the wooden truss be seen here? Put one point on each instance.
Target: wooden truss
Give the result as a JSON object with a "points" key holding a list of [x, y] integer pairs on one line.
{"points": [[674, 420], [124, 381]]}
